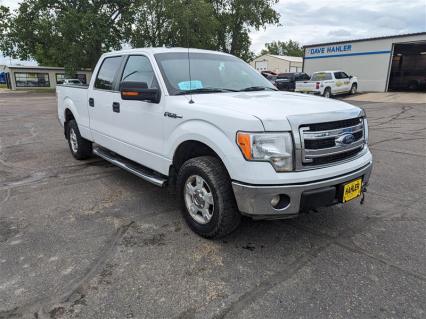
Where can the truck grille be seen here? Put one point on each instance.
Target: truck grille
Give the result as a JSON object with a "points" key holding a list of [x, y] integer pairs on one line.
{"points": [[324, 143]]}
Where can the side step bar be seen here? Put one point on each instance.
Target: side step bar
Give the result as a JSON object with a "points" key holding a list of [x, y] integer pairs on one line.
{"points": [[130, 166]]}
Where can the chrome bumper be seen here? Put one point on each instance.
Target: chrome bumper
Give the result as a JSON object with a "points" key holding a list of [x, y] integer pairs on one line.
{"points": [[255, 200]]}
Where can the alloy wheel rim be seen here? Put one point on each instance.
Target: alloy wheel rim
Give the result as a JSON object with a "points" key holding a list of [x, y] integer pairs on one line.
{"points": [[199, 199], [73, 140]]}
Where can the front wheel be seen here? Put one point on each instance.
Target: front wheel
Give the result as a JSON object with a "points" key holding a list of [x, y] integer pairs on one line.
{"points": [[353, 89], [208, 203]]}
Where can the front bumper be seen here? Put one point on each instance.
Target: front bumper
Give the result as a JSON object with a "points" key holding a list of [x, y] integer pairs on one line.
{"points": [[255, 200]]}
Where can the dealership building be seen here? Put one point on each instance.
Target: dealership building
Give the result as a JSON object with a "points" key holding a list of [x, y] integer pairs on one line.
{"points": [[381, 64], [36, 77]]}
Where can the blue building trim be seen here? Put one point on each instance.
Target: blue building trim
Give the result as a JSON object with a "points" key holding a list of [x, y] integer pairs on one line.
{"points": [[347, 54]]}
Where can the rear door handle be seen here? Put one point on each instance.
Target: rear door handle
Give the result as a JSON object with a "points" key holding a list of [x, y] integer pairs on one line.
{"points": [[91, 102], [116, 107]]}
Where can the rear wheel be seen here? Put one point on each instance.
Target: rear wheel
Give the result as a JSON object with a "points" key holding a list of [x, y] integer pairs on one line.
{"points": [[353, 89], [327, 93], [80, 148], [208, 203]]}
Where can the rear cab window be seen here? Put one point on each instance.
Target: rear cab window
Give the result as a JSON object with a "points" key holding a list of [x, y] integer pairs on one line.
{"points": [[321, 76]]}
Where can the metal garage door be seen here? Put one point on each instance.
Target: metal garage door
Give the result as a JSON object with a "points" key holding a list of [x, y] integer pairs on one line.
{"points": [[408, 69], [261, 65]]}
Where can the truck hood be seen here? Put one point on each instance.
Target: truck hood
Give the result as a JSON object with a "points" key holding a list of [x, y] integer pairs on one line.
{"points": [[276, 108]]}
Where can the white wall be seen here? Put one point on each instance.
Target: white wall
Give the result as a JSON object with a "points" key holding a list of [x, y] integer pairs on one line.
{"points": [[368, 60], [269, 63]]}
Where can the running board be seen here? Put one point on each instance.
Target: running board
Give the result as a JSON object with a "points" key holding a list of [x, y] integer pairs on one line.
{"points": [[130, 166]]}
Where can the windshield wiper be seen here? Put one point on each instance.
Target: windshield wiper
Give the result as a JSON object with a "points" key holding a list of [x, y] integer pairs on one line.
{"points": [[256, 88], [205, 90]]}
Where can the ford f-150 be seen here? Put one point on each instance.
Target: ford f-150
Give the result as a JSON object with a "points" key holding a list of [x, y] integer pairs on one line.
{"points": [[208, 124]]}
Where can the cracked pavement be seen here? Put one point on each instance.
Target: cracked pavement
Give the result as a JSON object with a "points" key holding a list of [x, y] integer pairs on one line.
{"points": [[88, 240]]}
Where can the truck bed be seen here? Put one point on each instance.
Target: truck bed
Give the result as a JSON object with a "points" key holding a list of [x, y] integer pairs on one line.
{"points": [[75, 98]]}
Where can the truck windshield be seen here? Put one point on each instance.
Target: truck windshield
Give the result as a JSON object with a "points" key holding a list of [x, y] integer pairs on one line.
{"points": [[210, 73]]}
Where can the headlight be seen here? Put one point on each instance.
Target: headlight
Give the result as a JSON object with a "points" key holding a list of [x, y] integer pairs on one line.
{"points": [[276, 148], [365, 122], [366, 130]]}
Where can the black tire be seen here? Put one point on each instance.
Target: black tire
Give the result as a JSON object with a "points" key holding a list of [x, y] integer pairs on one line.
{"points": [[327, 93], [225, 216], [354, 88], [82, 149]]}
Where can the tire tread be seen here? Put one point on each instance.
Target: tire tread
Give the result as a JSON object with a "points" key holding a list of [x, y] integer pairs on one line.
{"points": [[229, 217]]}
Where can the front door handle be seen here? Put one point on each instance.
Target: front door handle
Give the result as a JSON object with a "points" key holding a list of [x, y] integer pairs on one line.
{"points": [[91, 102], [116, 107]]}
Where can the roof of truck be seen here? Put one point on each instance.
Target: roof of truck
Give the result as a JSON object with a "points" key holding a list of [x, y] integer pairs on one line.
{"points": [[163, 50], [328, 71]]}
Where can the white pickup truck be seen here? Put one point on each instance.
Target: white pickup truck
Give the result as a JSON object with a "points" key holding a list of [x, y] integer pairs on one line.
{"points": [[220, 132], [328, 83]]}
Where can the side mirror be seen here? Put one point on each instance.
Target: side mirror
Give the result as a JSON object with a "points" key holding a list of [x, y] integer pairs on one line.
{"points": [[138, 91], [350, 76]]}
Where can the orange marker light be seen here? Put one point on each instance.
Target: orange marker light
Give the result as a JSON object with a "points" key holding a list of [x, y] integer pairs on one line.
{"points": [[243, 140], [130, 93]]}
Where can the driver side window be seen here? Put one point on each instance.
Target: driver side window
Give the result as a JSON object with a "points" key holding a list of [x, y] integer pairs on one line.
{"points": [[138, 69]]}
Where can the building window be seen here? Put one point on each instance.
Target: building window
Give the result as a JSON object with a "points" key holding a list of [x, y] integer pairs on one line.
{"points": [[60, 77], [32, 79]]}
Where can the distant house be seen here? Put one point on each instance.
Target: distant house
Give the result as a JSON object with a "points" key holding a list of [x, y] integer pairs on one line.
{"points": [[36, 77], [278, 63]]}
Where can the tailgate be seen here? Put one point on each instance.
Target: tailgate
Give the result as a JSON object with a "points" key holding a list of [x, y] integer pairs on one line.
{"points": [[305, 86]]}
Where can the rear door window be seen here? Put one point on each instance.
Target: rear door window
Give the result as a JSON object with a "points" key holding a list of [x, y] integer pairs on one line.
{"points": [[338, 75], [107, 72]]}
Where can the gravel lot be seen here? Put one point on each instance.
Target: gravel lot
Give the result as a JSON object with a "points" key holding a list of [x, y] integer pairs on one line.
{"points": [[88, 240]]}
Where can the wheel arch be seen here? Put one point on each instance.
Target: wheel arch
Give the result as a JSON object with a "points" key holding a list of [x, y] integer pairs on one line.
{"points": [[190, 149], [68, 116], [211, 140]]}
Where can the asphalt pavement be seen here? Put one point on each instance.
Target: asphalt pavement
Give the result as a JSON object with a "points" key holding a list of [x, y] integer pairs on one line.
{"points": [[84, 239]]}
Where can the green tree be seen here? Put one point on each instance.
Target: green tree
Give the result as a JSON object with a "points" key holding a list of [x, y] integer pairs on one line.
{"points": [[5, 17], [65, 33], [74, 33], [237, 18], [222, 25], [291, 48], [173, 23]]}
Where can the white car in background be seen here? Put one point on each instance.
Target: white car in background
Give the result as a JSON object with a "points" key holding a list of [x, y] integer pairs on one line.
{"points": [[72, 82], [328, 83]]}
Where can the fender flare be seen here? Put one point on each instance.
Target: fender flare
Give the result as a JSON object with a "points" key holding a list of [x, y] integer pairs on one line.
{"points": [[212, 136], [69, 105]]}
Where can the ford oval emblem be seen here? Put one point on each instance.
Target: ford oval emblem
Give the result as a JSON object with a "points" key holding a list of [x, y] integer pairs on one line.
{"points": [[345, 139]]}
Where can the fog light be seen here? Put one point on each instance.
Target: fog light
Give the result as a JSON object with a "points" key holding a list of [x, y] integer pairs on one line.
{"points": [[275, 200], [280, 201]]}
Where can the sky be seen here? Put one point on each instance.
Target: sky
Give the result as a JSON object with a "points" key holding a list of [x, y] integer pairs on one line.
{"points": [[309, 22]]}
